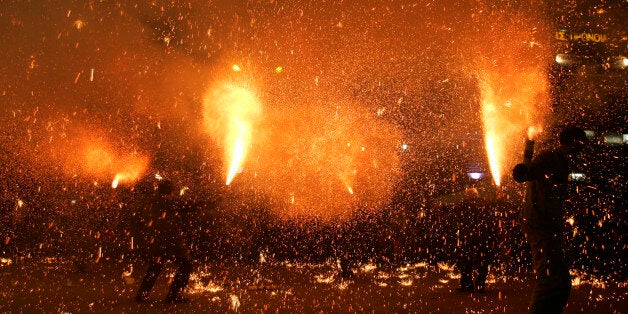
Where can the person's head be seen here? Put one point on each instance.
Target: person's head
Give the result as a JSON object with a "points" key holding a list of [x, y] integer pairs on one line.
{"points": [[573, 139], [165, 187]]}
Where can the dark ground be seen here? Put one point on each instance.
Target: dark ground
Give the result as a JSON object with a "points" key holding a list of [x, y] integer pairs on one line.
{"points": [[53, 286]]}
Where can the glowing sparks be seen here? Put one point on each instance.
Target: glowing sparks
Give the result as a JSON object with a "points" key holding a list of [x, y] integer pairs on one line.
{"points": [[507, 110], [493, 156], [406, 282], [238, 151], [79, 24], [183, 190], [116, 181], [94, 157], [131, 169], [199, 287], [325, 278], [315, 158], [231, 114], [236, 68], [368, 268], [445, 267], [533, 132], [235, 302]]}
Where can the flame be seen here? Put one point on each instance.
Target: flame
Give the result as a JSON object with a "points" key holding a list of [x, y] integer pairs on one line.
{"points": [[242, 134], [507, 110], [132, 172], [511, 67], [231, 114], [96, 158], [493, 133], [493, 157], [116, 181]]}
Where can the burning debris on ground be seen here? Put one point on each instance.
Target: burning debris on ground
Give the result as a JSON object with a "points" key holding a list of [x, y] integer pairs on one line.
{"points": [[312, 140]]}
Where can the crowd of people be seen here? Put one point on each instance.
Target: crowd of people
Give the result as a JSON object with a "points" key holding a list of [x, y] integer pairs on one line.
{"points": [[478, 234]]}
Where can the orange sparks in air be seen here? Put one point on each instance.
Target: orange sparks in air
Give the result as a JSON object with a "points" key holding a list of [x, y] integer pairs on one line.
{"points": [[495, 131], [95, 157], [493, 154], [130, 169], [231, 113], [239, 138], [533, 132], [509, 106]]}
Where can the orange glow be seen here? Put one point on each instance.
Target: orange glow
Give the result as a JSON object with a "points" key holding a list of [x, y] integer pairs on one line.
{"points": [[511, 68], [326, 161], [533, 132], [231, 113], [493, 155], [509, 106], [95, 158], [130, 168]]}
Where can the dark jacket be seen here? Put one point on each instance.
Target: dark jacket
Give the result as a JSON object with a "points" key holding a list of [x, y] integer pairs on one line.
{"points": [[546, 178], [167, 226]]}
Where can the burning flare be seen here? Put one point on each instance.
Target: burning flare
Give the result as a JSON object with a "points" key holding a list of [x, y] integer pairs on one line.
{"points": [[131, 169], [231, 114], [510, 104], [495, 135], [93, 156]]}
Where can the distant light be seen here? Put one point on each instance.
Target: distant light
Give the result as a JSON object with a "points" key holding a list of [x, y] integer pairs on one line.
{"points": [[475, 175], [404, 146], [563, 59], [236, 68], [613, 139], [589, 133], [624, 62], [278, 69], [158, 176], [577, 176]]}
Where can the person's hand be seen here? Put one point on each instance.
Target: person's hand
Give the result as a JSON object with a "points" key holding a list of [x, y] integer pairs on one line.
{"points": [[520, 173]]}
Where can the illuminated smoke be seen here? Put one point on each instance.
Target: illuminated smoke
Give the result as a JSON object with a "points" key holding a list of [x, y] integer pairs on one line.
{"points": [[514, 97], [508, 108], [326, 161], [92, 156], [231, 113]]}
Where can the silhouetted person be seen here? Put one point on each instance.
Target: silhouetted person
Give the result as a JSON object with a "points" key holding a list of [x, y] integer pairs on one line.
{"points": [[542, 218], [168, 243], [476, 241]]}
